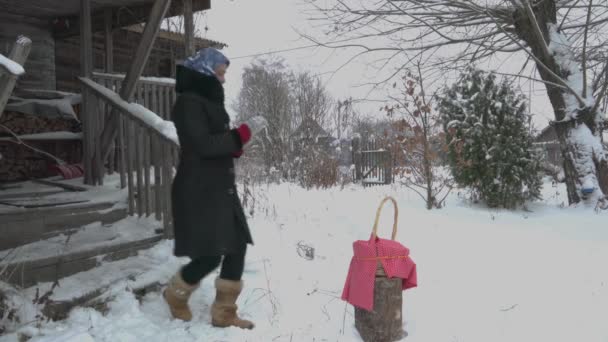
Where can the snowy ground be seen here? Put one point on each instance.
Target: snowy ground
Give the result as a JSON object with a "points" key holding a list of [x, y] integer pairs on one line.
{"points": [[483, 275]]}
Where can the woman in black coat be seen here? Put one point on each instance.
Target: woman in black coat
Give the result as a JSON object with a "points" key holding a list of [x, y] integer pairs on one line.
{"points": [[208, 219]]}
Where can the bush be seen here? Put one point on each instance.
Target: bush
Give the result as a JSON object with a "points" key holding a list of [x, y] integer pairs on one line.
{"points": [[489, 141]]}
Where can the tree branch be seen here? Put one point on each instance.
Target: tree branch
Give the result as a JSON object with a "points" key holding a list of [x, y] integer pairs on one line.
{"points": [[584, 62], [18, 141], [547, 69]]}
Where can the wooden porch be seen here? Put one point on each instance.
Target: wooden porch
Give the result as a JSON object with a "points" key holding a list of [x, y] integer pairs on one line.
{"points": [[54, 227]]}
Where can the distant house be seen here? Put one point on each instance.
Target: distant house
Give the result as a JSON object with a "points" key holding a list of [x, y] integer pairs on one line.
{"points": [[546, 142], [309, 134]]}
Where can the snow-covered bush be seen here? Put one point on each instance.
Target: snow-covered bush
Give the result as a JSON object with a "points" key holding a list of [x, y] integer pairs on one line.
{"points": [[489, 141]]}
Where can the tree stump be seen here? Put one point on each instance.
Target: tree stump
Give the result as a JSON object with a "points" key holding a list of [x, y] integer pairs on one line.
{"points": [[385, 322]]}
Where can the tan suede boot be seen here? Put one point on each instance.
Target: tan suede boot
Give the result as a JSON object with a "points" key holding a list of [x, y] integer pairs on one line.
{"points": [[177, 294], [223, 310]]}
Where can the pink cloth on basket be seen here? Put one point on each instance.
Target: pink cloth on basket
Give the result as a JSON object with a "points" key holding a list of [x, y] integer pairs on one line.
{"points": [[361, 278]]}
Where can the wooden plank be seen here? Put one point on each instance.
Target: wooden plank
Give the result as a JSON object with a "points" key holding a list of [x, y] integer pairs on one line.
{"points": [[138, 169], [121, 105], [18, 54], [109, 67], [65, 186], [50, 269], [86, 39], [161, 103], [188, 27], [168, 102], [147, 166], [121, 148], [99, 165], [86, 67], [87, 143], [139, 61], [138, 94], [104, 108], [166, 82], [44, 212], [158, 203], [50, 224], [166, 195], [109, 41], [147, 87], [129, 163], [154, 98]]}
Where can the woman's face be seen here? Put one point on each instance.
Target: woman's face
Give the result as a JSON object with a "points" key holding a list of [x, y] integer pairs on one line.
{"points": [[220, 72]]}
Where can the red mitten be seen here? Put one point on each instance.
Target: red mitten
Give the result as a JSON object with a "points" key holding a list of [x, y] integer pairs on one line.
{"points": [[237, 154], [244, 133]]}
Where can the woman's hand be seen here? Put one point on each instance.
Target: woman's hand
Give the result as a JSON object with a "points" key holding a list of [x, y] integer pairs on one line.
{"points": [[244, 133]]}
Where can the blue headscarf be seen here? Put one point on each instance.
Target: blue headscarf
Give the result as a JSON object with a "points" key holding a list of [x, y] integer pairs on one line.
{"points": [[206, 60]]}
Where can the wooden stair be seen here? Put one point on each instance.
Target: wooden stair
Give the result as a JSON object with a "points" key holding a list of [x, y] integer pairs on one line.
{"points": [[50, 234], [29, 225]]}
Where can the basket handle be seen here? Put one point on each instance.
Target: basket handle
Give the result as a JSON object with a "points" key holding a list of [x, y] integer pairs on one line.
{"points": [[379, 211]]}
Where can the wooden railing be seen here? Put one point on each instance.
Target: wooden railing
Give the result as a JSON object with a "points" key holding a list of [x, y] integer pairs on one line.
{"points": [[156, 94], [8, 76], [146, 153]]}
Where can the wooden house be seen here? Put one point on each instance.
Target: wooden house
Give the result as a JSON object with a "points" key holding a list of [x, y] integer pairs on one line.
{"points": [[98, 51], [547, 144], [310, 135], [53, 66]]}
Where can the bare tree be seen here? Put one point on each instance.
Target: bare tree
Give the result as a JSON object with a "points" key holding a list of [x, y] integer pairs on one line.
{"points": [[311, 99], [420, 141], [564, 40], [266, 91]]}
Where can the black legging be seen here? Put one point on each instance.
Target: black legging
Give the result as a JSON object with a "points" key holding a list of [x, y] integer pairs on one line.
{"points": [[232, 267]]}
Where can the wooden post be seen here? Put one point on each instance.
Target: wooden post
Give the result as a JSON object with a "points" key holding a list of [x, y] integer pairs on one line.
{"points": [[139, 161], [109, 41], [121, 148], [167, 179], [385, 322], [129, 165], [140, 59], [158, 200], [86, 68], [19, 54], [356, 151], [189, 27], [147, 165], [109, 68]]}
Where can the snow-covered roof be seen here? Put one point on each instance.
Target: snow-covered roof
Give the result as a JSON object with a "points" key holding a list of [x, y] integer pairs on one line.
{"points": [[310, 129], [179, 37], [65, 8]]}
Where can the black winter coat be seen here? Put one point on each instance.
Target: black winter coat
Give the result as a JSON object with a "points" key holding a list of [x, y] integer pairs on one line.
{"points": [[208, 218]]}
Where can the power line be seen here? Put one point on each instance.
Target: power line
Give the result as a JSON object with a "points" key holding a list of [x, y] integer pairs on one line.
{"points": [[276, 51]]}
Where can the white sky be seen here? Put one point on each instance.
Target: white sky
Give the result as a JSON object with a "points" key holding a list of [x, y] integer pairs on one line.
{"points": [[254, 27]]}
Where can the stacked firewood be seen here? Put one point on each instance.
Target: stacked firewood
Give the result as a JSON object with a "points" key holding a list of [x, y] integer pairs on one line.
{"points": [[21, 124], [20, 162]]}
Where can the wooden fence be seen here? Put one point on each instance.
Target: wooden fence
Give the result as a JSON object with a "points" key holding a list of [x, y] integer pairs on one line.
{"points": [[373, 164], [146, 156]]}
